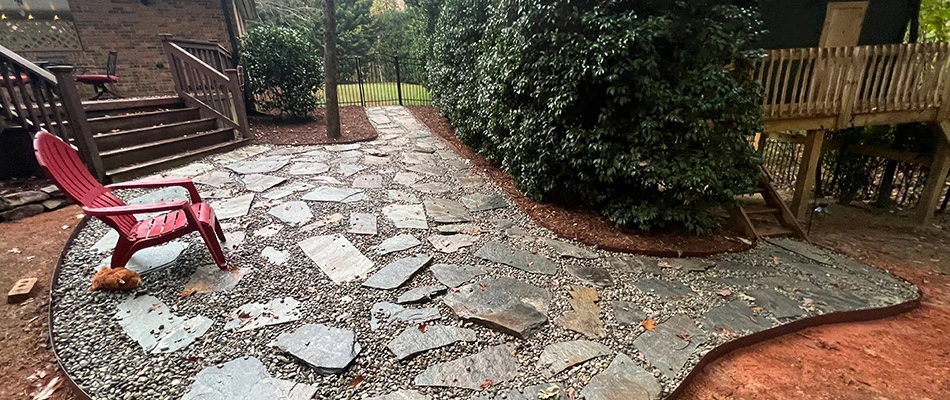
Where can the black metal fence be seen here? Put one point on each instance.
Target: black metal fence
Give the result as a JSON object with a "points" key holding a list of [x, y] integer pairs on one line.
{"points": [[381, 80]]}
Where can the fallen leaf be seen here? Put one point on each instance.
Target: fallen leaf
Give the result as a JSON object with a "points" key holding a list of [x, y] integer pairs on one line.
{"points": [[664, 264], [186, 292], [244, 315], [649, 324], [776, 260], [355, 382], [683, 336], [483, 286], [724, 293], [193, 359], [486, 384], [48, 390], [154, 307], [757, 309], [423, 327]]}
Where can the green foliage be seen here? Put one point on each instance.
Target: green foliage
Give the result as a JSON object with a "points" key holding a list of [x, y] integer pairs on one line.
{"points": [[355, 27], [283, 68], [627, 107], [935, 20]]}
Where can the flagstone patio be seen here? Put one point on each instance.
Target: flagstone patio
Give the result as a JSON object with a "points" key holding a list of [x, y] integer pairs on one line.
{"points": [[392, 270]]}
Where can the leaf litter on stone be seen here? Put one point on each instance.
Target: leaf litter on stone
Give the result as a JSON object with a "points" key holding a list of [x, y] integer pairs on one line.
{"points": [[649, 324]]}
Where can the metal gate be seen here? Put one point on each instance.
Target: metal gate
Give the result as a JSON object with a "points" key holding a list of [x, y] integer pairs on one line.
{"points": [[381, 80]]}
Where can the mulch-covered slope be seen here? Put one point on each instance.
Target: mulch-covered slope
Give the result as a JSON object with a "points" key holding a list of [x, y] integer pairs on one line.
{"points": [[354, 126], [585, 225]]}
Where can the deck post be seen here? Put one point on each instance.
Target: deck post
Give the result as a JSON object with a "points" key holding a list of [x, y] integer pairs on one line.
{"points": [[930, 196], [805, 182], [237, 101], [82, 134]]}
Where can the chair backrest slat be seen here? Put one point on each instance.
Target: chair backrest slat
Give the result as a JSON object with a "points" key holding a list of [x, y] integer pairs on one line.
{"points": [[65, 169]]}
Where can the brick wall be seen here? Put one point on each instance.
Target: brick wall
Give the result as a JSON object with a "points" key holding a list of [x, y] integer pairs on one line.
{"points": [[132, 30]]}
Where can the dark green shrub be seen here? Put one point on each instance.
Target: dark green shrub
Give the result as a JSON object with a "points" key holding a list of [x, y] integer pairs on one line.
{"points": [[627, 106], [284, 70], [451, 69]]}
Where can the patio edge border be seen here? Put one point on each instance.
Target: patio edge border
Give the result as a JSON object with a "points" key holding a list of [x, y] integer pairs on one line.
{"points": [[715, 354], [70, 383]]}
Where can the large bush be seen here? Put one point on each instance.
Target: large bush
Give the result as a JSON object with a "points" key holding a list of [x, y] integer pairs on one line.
{"points": [[284, 70], [639, 109]]}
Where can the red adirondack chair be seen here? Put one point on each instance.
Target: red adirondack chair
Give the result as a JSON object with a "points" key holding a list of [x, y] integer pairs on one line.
{"points": [[64, 168]]}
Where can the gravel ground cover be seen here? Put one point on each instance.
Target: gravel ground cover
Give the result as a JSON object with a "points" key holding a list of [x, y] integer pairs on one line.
{"points": [[550, 318]]}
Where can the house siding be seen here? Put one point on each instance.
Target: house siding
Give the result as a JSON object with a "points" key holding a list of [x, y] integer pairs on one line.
{"points": [[132, 30]]}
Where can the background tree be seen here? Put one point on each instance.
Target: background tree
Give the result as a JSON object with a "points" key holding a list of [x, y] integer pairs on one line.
{"points": [[935, 20], [333, 107]]}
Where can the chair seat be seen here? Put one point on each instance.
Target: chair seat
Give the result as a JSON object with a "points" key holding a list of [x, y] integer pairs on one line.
{"points": [[92, 79], [171, 222]]}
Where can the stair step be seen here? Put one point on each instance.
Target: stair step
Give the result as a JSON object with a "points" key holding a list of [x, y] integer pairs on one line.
{"points": [[761, 209], [101, 108], [142, 136], [158, 149], [774, 231], [146, 119], [136, 170]]}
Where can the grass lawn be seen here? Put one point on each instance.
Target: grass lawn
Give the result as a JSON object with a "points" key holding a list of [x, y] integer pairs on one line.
{"points": [[380, 94]]}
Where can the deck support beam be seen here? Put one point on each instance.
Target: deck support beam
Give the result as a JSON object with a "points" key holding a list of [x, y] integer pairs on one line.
{"points": [[807, 172], [930, 196]]}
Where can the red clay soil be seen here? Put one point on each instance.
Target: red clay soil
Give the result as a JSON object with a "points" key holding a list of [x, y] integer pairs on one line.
{"points": [[354, 127], [902, 357], [584, 225], [30, 248]]}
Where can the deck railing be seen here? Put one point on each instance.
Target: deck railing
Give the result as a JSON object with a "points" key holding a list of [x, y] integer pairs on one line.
{"points": [[216, 93], [32, 98], [212, 53], [843, 83]]}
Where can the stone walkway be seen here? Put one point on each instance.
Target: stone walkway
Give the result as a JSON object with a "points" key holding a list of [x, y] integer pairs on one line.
{"points": [[393, 270]]}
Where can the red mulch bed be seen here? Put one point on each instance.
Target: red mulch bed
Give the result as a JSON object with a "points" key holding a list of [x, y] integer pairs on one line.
{"points": [[354, 126], [585, 225]]}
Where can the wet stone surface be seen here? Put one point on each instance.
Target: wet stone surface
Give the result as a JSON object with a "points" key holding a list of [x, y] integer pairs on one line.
{"points": [[474, 320]]}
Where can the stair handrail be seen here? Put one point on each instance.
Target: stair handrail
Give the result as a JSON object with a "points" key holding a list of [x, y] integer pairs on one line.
{"points": [[36, 99], [212, 53], [200, 85]]}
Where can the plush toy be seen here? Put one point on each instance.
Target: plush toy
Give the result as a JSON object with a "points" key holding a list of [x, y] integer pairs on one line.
{"points": [[115, 279]]}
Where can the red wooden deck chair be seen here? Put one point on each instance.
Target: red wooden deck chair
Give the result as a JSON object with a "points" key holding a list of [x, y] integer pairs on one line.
{"points": [[64, 168]]}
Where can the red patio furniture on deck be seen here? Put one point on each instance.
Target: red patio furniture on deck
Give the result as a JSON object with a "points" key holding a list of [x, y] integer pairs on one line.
{"points": [[64, 168], [99, 81]]}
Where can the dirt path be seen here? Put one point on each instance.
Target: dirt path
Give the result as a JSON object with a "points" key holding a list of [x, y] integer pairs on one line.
{"points": [[30, 248]]}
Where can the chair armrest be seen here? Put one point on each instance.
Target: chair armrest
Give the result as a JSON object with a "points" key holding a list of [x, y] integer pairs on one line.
{"points": [[137, 209], [160, 183]]}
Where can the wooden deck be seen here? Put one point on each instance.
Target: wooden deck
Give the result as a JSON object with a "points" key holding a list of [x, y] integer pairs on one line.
{"points": [[820, 89]]}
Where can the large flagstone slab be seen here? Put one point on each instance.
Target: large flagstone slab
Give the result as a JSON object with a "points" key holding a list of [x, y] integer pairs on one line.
{"points": [[335, 195], [310, 168], [244, 378], [233, 207], [292, 212], [336, 257], [454, 275], [563, 355], [623, 379], [506, 304], [326, 349], [406, 216], [213, 178], [669, 345], [240, 154], [363, 224], [152, 258], [259, 166], [261, 182], [286, 190], [209, 278], [413, 340], [498, 252], [446, 211], [397, 272], [251, 316], [397, 243], [495, 364], [149, 322]]}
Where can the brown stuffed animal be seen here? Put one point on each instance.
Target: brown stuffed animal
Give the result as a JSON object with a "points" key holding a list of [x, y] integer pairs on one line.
{"points": [[115, 279]]}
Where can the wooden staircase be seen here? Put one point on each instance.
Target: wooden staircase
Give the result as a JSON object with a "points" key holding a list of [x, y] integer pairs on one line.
{"points": [[142, 136], [771, 219]]}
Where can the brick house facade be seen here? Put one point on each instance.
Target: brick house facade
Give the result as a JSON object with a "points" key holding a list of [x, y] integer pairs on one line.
{"points": [[89, 29]]}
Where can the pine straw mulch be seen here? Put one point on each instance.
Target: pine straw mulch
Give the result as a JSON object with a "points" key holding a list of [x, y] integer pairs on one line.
{"points": [[354, 127]]}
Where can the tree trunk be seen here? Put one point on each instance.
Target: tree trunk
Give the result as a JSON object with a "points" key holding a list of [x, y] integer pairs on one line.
{"points": [[330, 67]]}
